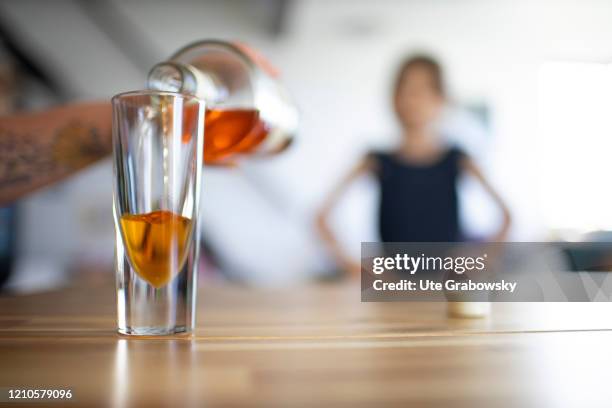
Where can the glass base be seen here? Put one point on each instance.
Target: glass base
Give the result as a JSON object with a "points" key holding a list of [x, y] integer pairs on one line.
{"points": [[153, 331]]}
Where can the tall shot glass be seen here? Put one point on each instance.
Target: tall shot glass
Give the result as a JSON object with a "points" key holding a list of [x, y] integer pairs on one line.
{"points": [[158, 153]]}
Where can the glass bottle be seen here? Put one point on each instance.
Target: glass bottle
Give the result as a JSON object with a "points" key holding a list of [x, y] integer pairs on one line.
{"points": [[248, 111]]}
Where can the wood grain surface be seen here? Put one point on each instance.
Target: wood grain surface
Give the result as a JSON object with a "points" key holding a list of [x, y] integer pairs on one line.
{"points": [[308, 346]]}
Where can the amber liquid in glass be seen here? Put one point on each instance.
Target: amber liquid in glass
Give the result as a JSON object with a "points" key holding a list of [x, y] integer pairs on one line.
{"points": [[228, 132], [231, 131], [157, 244]]}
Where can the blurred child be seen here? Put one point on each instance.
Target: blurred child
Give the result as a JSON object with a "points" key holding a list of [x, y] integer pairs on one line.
{"points": [[418, 179]]}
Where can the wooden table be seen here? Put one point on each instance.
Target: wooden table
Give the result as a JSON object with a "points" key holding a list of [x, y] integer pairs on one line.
{"points": [[309, 346]]}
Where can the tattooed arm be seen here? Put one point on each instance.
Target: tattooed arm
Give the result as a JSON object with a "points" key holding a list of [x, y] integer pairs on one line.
{"points": [[37, 149]]}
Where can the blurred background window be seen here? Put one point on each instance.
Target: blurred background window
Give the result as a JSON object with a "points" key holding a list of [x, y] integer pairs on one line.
{"points": [[575, 144]]}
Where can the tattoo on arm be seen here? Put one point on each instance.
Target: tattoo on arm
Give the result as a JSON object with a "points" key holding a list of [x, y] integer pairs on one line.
{"points": [[77, 145], [26, 160]]}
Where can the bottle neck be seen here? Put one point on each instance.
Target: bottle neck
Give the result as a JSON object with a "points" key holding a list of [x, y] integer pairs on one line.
{"points": [[171, 76]]}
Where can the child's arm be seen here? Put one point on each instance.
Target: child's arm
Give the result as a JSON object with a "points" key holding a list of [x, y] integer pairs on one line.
{"points": [[472, 169], [349, 264]]}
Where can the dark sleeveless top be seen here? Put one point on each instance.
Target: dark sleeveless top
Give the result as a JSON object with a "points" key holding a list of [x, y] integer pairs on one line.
{"points": [[418, 203]]}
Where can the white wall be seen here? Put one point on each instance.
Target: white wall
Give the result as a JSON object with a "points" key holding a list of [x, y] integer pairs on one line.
{"points": [[338, 58]]}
